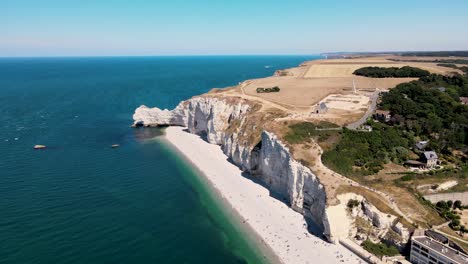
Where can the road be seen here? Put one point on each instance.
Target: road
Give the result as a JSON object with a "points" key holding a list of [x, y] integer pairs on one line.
{"points": [[368, 113], [434, 198]]}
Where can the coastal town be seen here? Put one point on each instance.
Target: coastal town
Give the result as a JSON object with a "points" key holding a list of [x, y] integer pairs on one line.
{"points": [[382, 135]]}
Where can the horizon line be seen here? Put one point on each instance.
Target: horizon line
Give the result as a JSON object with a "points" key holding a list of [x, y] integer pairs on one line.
{"points": [[158, 55], [232, 55]]}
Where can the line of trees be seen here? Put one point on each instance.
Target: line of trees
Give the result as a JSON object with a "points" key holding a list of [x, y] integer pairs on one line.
{"points": [[391, 72], [454, 66], [436, 53]]}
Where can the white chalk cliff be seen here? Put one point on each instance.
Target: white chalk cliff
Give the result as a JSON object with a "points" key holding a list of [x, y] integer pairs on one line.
{"points": [[227, 121], [382, 224], [222, 121], [157, 117]]}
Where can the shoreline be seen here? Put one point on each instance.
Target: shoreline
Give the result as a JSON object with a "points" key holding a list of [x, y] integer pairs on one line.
{"points": [[280, 232], [245, 228]]}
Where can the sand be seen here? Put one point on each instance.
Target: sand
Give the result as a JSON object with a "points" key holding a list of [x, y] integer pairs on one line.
{"points": [[279, 227]]}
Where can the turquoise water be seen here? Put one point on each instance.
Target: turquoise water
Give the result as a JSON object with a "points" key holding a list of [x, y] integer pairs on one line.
{"points": [[80, 201]]}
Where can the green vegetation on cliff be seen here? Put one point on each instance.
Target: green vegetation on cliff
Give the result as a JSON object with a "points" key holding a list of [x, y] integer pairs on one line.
{"points": [[380, 249], [364, 153], [304, 131]]}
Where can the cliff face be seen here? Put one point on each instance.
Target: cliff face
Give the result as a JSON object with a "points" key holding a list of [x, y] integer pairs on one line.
{"points": [[292, 180], [225, 122], [380, 226], [145, 116]]}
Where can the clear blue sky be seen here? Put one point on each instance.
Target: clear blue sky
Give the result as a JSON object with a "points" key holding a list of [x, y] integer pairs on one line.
{"points": [[171, 27]]}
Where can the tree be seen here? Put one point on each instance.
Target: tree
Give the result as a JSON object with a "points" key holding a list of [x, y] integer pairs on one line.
{"points": [[455, 224], [442, 205], [463, 229], [449, 203]]}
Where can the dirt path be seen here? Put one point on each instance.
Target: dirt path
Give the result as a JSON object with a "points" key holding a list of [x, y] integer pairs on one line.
{"points": [[434, 198]]}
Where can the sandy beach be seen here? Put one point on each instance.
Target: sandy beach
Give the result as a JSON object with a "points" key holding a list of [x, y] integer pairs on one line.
{"points": [[278, 226]]}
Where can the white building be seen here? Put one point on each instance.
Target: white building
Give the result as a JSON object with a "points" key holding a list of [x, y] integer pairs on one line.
{"points": [[321, 108], [430, 158], [426, 250]]}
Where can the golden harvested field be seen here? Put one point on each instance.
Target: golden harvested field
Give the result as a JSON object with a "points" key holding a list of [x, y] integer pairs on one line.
{"points": [[346, 67], [308, 84], [295, 91], [303, 92], [421, 58], [332, 70], [303, 87]]}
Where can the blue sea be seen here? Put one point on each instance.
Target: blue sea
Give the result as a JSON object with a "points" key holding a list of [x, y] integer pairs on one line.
{"points": [[80, 201]]}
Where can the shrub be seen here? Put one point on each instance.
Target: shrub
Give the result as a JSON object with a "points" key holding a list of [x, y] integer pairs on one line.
{"points": [[454, 227], [408, 177], [353, 203], [451, 215], [380, 249], [463, 229], [455, 224], [268, 90]]}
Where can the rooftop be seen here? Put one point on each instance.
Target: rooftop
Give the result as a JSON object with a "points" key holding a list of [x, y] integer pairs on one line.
{"points": [[430, 155], [442, 249], [414, 162], [421, 144], [382, 112]]}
